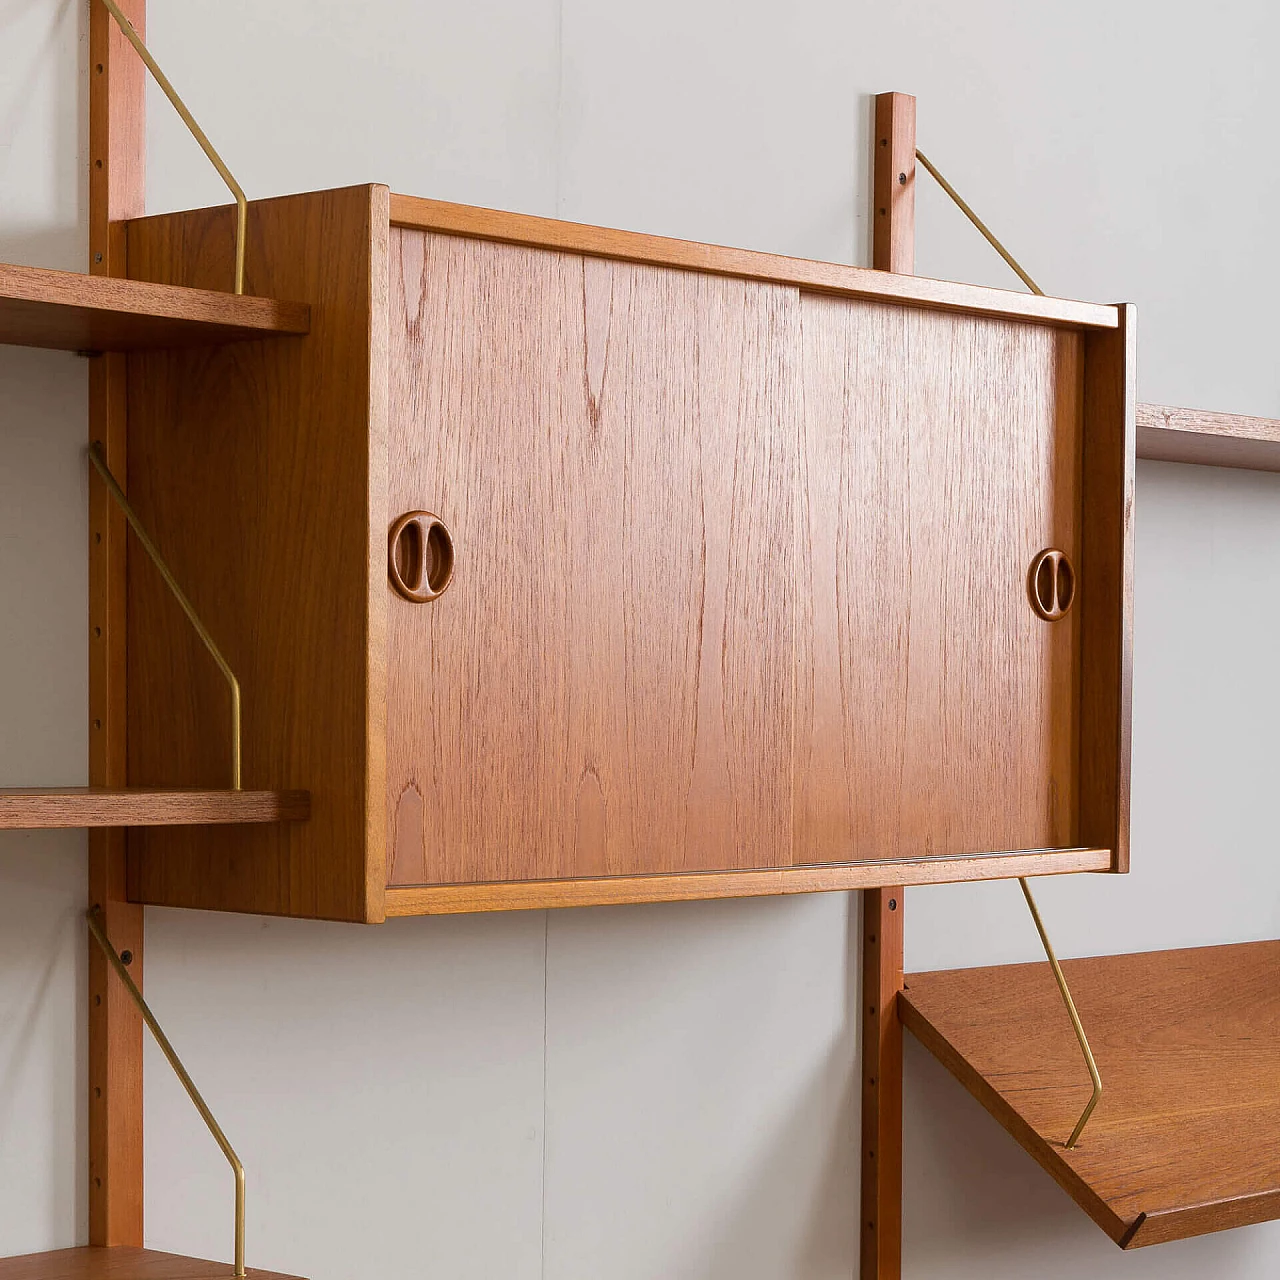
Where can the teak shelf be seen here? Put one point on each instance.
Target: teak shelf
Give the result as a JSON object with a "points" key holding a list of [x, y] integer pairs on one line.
{"points": [[31, 808], [120, 1262], [1167, 434], [72, 312], [1185, 1139]]}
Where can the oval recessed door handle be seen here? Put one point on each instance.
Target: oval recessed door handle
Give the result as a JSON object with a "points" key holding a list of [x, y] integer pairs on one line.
{"points": [[1051, 584], [420, 556]]}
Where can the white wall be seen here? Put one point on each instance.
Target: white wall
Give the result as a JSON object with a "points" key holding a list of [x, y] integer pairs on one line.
{"points": [[660, 1091]]}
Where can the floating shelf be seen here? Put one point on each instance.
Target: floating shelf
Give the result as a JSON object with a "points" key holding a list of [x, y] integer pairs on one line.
{"points": [[72, 312], [1185, 1138], [120, 1264], [32, 808], [1212, 439]]}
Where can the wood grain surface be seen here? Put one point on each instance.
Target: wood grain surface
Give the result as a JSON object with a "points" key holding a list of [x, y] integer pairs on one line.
{"points": [[741, 573], [939, 712], [829, 277], [1168, 434], [29, 808], [536, 895], [607, 687], [1105, 587], [893, 216], [72, 312], [259, 470], [117, 190], [121, 1263], [883, 911], [1184, 1139]]}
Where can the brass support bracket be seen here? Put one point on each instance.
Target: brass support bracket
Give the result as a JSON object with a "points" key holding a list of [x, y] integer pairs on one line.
{"points": [[978, 222], [99, 460], [242, 204], [95, 927], [1071, 1010]]}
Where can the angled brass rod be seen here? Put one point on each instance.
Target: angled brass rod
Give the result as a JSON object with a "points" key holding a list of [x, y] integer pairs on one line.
{"points": [[978, 222], [242, 205], [1071, 1010], [93, 915], [113, 488]]}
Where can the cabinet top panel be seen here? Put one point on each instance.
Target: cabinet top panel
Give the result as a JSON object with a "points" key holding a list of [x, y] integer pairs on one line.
{"points": [[823, 277]]}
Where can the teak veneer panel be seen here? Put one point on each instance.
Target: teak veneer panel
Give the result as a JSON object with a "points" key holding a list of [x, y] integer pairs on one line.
{"points": [[1184, 1140], [259, 471], [607, 687], [121, 1263], [824, 277], [30, 808], [72, 312], [942, 454], [1166, 434]]}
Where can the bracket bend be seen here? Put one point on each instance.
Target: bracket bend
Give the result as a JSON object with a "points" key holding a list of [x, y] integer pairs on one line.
{"points": [[99, 460], [242, 204], [94, 917], [1071, 1010]]}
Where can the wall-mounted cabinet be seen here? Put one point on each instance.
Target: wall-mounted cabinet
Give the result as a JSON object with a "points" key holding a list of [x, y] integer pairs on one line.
{"points": [[738, 560]]}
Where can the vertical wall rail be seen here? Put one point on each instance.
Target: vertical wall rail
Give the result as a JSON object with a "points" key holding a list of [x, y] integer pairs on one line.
{"points": [[893, 249], [881, 1233], [893, 237], [117, 165]]}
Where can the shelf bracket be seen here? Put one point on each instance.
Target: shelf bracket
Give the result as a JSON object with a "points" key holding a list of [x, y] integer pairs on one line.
{"points": [[98, 459], [242, 204], [1071, 1010], [978, 222], [122, 972]]}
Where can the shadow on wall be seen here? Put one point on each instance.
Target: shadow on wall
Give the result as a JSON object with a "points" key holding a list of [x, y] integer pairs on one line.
{"points": [[702, 1087], [37, 89], [43, 1059], [977, 1207], [815, 1142], [823, 1119]]}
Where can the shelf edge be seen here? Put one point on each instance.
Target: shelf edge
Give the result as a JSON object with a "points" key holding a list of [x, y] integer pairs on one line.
{"points": [[58, 808], [537, 895]]}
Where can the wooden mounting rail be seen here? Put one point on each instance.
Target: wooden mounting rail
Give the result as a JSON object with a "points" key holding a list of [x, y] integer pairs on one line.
{"points": [[94, 917]]}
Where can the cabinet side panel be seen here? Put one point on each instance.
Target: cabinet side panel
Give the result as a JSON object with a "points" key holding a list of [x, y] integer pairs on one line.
{"points": [[1110, 416], [606, 688], [251, 467], [941, 455]]}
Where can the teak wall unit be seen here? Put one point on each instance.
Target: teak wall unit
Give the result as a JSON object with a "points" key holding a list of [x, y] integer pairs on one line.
{"points": [[700, 501], [732, 558]]}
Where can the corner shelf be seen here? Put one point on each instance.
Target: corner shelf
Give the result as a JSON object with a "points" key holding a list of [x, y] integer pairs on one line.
{"points": [[1167, 434], [1184, 1140], [67, 311], [34, 808], [120, 1263]]}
